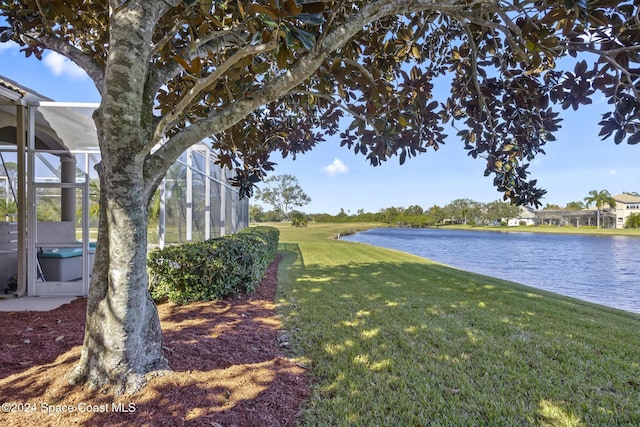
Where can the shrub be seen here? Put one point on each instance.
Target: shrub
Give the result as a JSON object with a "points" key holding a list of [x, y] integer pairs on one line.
{"points": [[633, 221], [299, 219], [214, 269]]}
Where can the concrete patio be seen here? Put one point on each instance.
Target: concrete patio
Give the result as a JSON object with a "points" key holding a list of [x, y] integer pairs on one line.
{"points": [[10, 303]]}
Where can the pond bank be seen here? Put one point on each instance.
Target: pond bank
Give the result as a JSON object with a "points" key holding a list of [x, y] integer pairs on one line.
{"points": [[479, 350], [601, 269], [631, 232]]}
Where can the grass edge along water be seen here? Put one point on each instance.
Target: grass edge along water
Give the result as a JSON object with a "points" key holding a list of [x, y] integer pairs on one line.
{"points": [[394, 339]]}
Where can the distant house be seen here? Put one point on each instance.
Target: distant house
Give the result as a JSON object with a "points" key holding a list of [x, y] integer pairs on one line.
{"points": [[626, 204], [526, 217], [574, 218]]}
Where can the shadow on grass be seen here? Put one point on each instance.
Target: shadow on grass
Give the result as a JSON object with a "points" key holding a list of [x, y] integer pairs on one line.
{"points": [[397, 342]]}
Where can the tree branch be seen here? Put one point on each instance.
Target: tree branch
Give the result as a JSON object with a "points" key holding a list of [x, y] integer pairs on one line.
{"points": [[626, 73], [167, 37], [360, 68], [219, 120], [303, 68], [584, 47], [113, 5], [84, 61], [340, 105], [513, 27], [204, 83], [44, 19], [221, 40], [609, 57]]}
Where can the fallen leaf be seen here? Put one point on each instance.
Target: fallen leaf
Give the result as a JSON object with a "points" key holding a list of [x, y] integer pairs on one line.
{"points": [[60, 338], [450, 390], [27, 341]]}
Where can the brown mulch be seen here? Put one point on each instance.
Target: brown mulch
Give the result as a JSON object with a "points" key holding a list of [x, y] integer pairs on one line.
{"points": [[229, 368]]}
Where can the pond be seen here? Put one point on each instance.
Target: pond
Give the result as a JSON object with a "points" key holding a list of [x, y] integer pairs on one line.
{"points": [[600, 269]]}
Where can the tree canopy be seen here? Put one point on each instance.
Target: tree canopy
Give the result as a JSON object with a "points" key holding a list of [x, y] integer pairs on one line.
{"points": [[266, 76], [278, 75], [283, 193], [600, 199]]}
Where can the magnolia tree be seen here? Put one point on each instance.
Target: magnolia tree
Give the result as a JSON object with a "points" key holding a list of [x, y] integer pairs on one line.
{"points": [[265, 76]]}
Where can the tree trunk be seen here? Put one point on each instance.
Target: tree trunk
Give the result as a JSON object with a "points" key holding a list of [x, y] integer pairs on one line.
{"points": [[123, 339]]}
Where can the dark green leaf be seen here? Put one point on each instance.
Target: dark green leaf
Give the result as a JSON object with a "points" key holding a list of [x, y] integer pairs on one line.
{"points": [[288, 31], [311, 18], [307, 39], [634, 139]]}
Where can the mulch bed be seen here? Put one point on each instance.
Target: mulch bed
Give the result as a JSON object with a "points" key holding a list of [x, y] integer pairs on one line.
{"points": [[228, 368]]}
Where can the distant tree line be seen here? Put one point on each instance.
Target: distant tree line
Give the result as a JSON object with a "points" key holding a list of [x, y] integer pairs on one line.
{"points": [[459, 211], [283, 193]]}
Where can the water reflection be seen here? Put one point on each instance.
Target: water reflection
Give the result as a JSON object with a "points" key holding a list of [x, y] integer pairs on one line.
{"points": [[600, 269]]}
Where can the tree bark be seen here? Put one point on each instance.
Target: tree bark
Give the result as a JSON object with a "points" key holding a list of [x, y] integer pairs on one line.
{"points": [[123, 338]]}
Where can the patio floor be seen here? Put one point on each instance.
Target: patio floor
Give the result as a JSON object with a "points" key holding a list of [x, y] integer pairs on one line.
{"points": [[12, 303]]}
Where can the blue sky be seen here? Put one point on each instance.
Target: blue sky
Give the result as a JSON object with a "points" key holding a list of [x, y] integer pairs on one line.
{"points": [[336, 178]]}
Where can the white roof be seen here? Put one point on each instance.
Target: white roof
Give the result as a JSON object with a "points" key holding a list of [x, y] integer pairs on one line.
{"points": [[57, 127], [626, 198]]}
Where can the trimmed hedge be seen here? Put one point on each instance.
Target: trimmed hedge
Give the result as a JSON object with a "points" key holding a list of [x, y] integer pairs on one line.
{"points": [[214, 269]]}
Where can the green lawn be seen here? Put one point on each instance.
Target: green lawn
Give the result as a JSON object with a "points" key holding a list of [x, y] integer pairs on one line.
{"points": [[635, 232], [396, 340]]}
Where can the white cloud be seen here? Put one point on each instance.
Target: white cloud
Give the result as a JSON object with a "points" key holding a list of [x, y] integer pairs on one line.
{"points": [[60, 65], [613, 172], [8, 46], [335, 168]]}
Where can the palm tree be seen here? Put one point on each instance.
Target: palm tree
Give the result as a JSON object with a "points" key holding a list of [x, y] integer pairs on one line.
{"points": [[600, 198]]}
